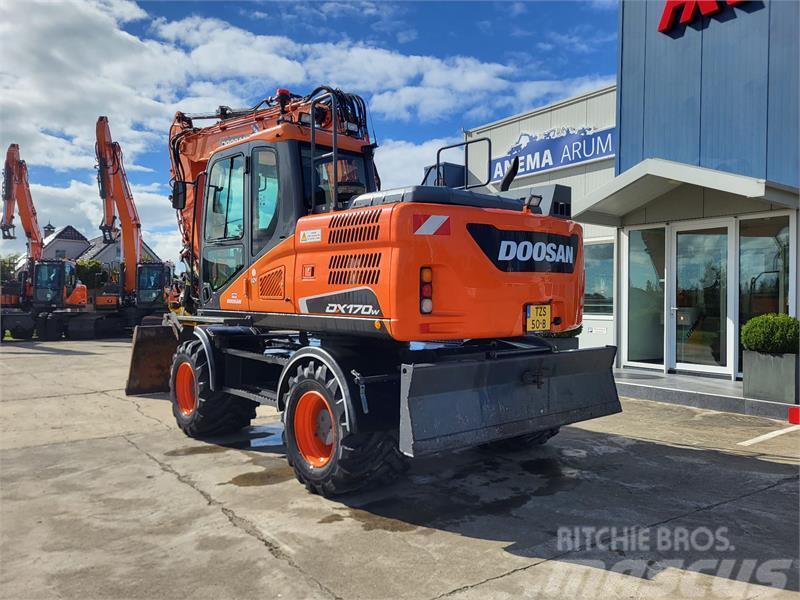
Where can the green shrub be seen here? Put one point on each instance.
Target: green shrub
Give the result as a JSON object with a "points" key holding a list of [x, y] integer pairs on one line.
{"points": [[772, 334], [87, 271]]}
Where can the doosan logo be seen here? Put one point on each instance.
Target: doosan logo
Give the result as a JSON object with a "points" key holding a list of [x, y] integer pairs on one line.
{"points": [[539, 251]]}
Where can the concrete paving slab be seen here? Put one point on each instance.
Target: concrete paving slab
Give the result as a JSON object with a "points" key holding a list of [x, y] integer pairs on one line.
{"points": [[99, 519], [102, 496]]}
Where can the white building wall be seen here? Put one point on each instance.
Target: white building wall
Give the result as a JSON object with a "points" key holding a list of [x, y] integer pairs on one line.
{"points": [[595, 109], [70, 248]]}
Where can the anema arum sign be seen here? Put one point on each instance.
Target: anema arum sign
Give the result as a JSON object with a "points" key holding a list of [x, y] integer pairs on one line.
{"points": [[555, 149]]}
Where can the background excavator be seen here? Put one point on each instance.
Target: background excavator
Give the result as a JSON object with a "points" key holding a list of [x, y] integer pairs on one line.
{"points": [[384, 324], [140, 288], [43, 286]]}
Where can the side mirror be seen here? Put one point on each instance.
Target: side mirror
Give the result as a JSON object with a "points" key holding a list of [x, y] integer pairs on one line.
{"points": [[178, 195]]}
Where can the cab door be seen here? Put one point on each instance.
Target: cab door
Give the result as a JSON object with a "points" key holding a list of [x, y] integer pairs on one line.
{"points": [[272, 222], [223, 283]]}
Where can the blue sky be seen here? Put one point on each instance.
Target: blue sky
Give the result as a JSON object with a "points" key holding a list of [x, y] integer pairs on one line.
{"points": [[426, 69]]}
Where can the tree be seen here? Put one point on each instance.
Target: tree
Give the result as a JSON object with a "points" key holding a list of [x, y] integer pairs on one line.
{"points": [[7, 265], [88, 271]]}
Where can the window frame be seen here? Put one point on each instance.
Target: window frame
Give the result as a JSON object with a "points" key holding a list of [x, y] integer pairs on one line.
{"points": [[253, 194], [305, 171]]}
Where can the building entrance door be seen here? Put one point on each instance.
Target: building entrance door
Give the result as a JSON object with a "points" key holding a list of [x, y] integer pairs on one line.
{"points": [[702, 298]]}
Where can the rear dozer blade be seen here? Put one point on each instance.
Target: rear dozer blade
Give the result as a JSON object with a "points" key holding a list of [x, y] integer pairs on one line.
{"points": [[458, 404], [151, 360]]}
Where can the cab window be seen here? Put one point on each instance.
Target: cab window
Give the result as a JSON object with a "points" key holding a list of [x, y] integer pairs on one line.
{"points": [[225, 199], [265, 197], [350, 172], [150, 277], [221, 264]]}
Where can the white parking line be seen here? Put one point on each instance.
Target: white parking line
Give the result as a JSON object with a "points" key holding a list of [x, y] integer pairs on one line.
{"points": [[769, 436]]}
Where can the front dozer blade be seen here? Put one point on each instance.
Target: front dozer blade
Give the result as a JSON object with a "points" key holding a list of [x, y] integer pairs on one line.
{"points": [[151, 360], [461, 403]]}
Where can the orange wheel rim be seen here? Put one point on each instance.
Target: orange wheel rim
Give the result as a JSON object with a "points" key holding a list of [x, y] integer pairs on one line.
{"points": [[313, 429], [186, 388]]}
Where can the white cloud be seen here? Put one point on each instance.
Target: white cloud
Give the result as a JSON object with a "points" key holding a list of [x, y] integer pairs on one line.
{"points": [[581, 39], [401, 163], [430, 103], [166, 244], [406, 36], [53, 85], [122, 11], [515, 9], [530, 94], [65, 63]]}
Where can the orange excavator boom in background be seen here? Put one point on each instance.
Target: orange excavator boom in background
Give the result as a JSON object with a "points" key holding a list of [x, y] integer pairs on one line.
{"points": [[140, 291], [17, 194], [115, 192]]}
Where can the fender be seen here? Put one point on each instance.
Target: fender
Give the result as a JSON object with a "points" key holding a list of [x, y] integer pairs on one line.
{"points": [[322, 355]]}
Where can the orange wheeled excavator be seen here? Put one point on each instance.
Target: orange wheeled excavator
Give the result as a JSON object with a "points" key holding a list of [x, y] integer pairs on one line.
{"points": [[384, 324], [141, 289], [43, 287]]}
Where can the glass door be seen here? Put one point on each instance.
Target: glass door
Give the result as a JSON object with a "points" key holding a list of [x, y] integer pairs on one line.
{"points": [[702, 299], [644, 272]]}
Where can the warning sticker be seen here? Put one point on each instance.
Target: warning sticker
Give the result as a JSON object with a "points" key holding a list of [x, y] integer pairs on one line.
{"points": [[310, 235]]}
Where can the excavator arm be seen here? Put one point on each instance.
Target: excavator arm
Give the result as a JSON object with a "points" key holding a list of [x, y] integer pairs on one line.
{"points": [[16, 192], [117, 199]]}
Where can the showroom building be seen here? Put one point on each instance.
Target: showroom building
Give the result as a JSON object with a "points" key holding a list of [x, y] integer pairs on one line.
{"points": [[685, 176]]}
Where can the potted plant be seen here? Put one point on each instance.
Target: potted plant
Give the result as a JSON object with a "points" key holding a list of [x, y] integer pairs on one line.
{"points": [[771, 346]]}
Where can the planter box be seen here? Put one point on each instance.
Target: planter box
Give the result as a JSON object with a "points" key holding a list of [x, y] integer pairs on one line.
{"points": [[770, 376]]}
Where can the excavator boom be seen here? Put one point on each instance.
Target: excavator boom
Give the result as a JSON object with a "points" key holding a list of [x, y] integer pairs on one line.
{"points": [[17, 193], [117, 198]]}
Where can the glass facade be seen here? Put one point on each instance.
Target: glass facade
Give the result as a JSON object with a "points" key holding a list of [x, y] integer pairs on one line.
{"points": [[646, 254], [701, 270], [598, 261], [764, 252]]}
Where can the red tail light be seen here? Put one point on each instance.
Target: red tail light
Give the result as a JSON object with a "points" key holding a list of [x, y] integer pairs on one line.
{"points": [[426, 290]]}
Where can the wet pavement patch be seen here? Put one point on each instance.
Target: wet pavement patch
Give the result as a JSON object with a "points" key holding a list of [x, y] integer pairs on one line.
{"points": [[371, 521], [331, 519], [193, 450], [273, 470], [264, 477]]}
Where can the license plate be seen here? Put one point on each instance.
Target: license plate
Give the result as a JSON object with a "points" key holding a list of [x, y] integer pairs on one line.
{"points": [[537, 317]]}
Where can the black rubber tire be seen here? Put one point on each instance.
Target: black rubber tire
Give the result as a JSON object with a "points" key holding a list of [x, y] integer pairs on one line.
{"points": [[49, 328], [360, 460], [522, 442], [215, 413]]}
